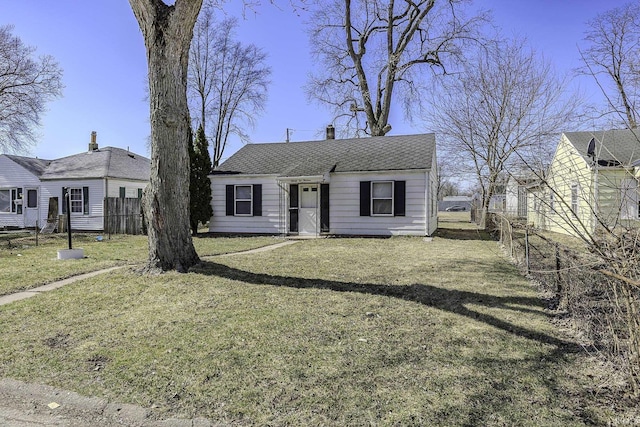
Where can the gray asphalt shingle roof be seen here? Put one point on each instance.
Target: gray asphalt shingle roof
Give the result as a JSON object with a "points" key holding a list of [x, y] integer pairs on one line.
{"points": [[620, 145], [314, 158], [108, 162], [33, 165]]}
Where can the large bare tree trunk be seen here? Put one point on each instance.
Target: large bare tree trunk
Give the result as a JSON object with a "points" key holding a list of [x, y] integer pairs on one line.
{"points": [[167, 32]]}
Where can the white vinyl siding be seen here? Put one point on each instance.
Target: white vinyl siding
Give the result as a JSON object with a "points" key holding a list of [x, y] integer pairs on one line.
{"points": [[132, 188], [344, 213], [267, 223], [14, 176], [94, 219]]}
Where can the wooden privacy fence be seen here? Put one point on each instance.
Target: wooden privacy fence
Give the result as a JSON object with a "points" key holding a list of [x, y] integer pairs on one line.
{"points": [[123, 216]]}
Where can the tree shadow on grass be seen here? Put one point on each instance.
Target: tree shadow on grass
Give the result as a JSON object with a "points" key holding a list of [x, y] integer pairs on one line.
{"points": [[449, 300]]}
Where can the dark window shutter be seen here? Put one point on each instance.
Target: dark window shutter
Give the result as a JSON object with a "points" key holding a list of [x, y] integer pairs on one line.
{"points": [[293, 196], [139, 193], [19, 195], [399, 198], [85, 200], [257, 199], [64, 200], [230, 200], [365, 198], [324, 208], [123, 192]]}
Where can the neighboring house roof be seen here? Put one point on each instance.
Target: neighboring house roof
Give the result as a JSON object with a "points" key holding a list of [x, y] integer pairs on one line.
{"points": [[621, 146], [316, 158], [108, 162], [35, 166]]}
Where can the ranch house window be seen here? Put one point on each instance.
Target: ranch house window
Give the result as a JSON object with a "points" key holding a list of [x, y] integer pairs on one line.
{"points": [[10, 200], [78, 200], [243, 200], [382, 198]]}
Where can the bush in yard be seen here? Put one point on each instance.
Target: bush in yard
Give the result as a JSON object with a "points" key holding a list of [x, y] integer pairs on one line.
{"points": [[199, 184]]}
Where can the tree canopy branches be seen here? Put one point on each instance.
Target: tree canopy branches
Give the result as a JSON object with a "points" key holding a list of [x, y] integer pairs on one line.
{"points": [[26, 85], [370, 50]]}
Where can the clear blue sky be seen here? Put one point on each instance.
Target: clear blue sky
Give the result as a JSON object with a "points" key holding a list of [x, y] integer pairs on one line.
{"points": [[99, 45]]}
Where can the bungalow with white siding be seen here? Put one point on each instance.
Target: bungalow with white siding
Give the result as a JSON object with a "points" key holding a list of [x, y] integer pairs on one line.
{"points": [[32, 190], [377, 186]]}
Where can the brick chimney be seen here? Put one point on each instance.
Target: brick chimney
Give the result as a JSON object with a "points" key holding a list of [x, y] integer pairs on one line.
{"points": [[331, 132], [93, 145]]}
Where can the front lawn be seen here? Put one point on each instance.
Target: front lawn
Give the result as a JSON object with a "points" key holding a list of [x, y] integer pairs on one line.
{"points": [[23, 265], [396, 331]]}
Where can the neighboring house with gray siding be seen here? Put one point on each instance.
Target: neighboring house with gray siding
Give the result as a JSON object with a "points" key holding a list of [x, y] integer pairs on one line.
{"points": [[28, 186], [379, 186]]}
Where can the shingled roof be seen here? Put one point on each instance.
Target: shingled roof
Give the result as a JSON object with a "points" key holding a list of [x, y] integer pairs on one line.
{"points": [[108, 162], [314, 158], [621, 146], [33, 165]]}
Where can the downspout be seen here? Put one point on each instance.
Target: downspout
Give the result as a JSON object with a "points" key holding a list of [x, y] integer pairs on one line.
{"points": [[105, 207], [427, 199]]}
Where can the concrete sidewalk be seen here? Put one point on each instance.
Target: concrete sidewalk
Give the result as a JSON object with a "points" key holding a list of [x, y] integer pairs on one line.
{"points": [[8, 299], [36, 405]]}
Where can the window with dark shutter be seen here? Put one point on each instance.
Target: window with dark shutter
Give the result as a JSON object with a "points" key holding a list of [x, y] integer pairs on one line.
{"points": [[257, 199], [399, 198], [382, 198], [64, 200], [365, 198], [85, 200], [229, 200], [123, 192]]}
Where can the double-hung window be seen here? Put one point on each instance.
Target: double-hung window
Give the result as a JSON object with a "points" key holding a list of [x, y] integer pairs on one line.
{"points": [[243, 200], [10, 200], [76, 200], [382, 198], [574, 198]]}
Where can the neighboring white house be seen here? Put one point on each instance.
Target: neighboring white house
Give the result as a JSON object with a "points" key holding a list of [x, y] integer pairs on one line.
{"points": [[31, 190], [516, 194], [381, 186]]}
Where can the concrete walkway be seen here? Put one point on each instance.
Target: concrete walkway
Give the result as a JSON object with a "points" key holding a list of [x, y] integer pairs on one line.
{"points": [[8, 299], [36, 405]]}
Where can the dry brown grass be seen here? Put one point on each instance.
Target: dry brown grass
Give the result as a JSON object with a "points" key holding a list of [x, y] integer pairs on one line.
{"points": [[396, 331]]}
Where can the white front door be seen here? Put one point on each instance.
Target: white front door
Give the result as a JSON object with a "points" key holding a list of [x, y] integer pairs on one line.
{"points": [[30, 204], [308, 220]]}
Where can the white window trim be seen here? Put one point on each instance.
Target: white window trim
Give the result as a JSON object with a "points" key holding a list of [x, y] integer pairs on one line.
{"points": [[69, 190], [236, 200], [393, 189], [575, 186], [13, 206]]}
